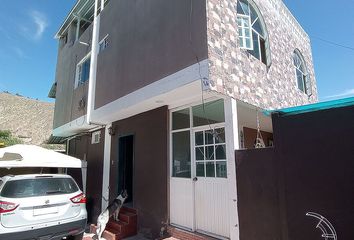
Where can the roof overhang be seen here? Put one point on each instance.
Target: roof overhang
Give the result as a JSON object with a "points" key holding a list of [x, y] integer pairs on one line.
{"points": [[344, 102], [81, 8]]}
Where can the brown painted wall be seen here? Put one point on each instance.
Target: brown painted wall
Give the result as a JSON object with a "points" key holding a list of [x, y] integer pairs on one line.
{"points": [[147, 41], [317, 153], [311, 169], [257, 190], [150, 130], [67, 98], [81, 147]]}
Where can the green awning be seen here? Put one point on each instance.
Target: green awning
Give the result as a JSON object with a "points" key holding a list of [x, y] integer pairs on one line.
{"points": [[313, 107]]}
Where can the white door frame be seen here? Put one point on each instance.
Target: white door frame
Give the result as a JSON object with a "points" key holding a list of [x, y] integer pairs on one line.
{"points": [[232, 143]]}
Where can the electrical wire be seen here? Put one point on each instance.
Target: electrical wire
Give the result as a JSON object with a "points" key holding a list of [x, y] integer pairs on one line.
{"points": [[332, 43]]}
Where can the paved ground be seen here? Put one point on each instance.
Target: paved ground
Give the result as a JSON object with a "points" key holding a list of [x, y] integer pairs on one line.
{"points": [[137, 237]]}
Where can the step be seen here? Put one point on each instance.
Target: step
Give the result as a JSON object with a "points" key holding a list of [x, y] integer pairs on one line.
{"points": [[119, 226], [107, 234], [128, 217], [117, 230], [128, 209]]}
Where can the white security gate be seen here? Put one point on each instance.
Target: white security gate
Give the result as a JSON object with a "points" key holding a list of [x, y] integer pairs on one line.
{"points": [[198, 183]]}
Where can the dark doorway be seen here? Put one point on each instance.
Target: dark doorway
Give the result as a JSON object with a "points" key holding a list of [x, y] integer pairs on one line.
{"points": [[125, 166]]}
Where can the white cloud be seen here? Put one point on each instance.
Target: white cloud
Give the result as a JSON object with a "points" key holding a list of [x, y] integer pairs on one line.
{"points": [[41, 23], [345, 93], [36, 27]]}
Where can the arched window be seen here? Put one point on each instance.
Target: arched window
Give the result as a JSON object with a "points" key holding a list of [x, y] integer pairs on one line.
{"points": [[252, 32], [302, 79]]}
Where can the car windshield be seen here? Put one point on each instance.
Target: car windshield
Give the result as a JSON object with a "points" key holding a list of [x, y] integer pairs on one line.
{"points": [[38, 187]]}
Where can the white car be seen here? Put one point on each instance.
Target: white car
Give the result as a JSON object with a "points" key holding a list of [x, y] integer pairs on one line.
{"points": [[41, 206]]}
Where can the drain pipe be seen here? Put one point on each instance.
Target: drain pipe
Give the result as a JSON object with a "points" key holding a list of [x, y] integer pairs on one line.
{"points": [[91, 102], [93, 66]]}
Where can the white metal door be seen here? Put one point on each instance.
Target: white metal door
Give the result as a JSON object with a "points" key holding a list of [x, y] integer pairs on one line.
{"points": [[210, 182]]}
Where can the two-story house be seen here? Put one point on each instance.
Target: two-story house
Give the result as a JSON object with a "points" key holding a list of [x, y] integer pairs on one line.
{"points": [[156, 96]]}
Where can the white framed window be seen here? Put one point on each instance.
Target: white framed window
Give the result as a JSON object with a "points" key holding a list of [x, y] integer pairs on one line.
{"points": [[96, 137], [83, 70], [301, 76], [245, 32], [103, 44], [252, 32], [198, 144]]}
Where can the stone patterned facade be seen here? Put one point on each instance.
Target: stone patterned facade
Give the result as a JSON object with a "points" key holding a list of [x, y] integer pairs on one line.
{"points": [[234, 72]]}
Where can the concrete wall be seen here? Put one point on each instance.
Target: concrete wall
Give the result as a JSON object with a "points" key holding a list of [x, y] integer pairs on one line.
{"points": [[238, 74], [150, 167]]}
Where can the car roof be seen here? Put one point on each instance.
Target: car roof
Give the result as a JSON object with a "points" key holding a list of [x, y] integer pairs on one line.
{"points": [[33, 176]]}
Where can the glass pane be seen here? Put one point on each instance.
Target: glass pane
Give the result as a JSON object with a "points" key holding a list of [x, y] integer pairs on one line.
{"points": [[180, 119], [211, 112], [200, 172], [253, 14], [181, 157], [199, 153], [258, 27], [255, 52], [239, 21], [240, 39], [210, 169], [220, 135], [239, 8], [246, 22], [247, 33], [221, 169], [244, 6], [300, 81], [209, 137], [220, 151], [248, 43], [38, 187], [209, 153], [199, 139]]}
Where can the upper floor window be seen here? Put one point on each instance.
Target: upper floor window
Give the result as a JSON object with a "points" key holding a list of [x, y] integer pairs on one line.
{"points": [[302, 78], [252, 32], [83, 71]]}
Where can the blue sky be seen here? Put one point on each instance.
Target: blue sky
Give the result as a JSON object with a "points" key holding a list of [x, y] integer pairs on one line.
{"points": [[28, 50]]}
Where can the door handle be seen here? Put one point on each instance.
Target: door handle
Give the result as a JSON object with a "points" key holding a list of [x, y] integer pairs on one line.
{"points": [[195, 179]]}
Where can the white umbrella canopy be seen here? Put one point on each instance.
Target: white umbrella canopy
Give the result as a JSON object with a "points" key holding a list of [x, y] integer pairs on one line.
{"points": [[17, 156]]}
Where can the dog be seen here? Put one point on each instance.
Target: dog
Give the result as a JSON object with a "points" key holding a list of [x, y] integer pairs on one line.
{"points": [[112, 210]]}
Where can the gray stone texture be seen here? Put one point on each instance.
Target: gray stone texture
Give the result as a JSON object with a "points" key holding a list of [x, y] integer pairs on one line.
{"points": [[29, 120], [234, 72]]}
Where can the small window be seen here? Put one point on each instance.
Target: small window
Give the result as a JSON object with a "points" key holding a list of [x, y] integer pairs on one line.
{"points": [[301, 76], [83, 71], [103, 44], [251, 31], [96, 137], [210, 153]]}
